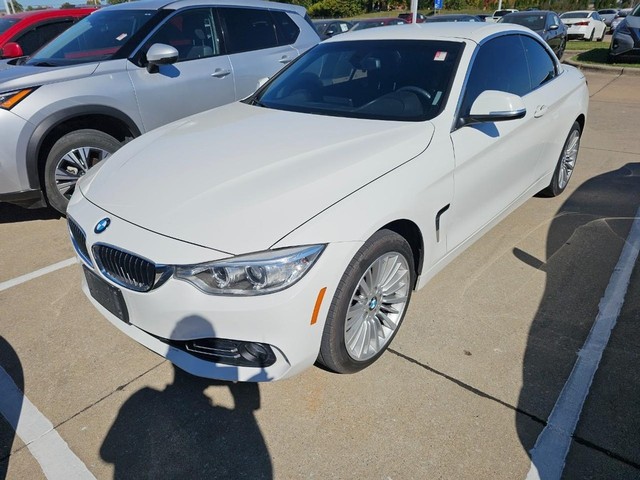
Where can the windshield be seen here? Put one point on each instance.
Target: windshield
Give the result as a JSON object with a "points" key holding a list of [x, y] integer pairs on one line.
{"points": [[575, 15], [636, 12], [534, 22], [97, 37], [6, 23], [387, 80]]}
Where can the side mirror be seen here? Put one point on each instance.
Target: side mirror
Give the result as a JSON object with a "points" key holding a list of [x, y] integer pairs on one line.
{"points": [[554, 27], [262, 81], [12, 50], [495, 106], [160, 54]]}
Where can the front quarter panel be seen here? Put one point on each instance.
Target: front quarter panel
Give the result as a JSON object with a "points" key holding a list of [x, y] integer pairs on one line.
{"points": [[414, 191]]}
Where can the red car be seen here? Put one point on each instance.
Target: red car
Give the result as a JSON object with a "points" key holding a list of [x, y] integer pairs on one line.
{"points": [[420, 18], [24, 33]]}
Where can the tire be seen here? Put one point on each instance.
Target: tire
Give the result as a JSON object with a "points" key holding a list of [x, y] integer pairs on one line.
{"points": [[69, 159], [604, 32], [566, 163], [360, 324]]}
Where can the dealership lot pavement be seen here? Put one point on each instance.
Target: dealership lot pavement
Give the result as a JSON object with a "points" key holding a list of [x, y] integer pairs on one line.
{"points": [[464, 392]]}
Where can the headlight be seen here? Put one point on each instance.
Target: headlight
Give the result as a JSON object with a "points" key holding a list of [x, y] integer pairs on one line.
{"points": [[8, 100], [254, 274]]}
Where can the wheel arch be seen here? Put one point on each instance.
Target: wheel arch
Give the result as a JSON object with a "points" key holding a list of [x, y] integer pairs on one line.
{"points": [[581, 121], [98, 117], [413, 235]]}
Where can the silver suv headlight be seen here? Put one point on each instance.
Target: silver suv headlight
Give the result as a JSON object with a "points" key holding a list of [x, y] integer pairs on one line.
{"points": [[254, 274], [8, 100]]}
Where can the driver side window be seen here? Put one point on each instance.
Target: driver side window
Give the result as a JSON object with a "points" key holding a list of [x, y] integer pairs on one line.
{"points": [[501, 65], [192, 32]]}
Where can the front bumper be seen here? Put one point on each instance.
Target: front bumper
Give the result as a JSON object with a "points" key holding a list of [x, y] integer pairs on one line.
{"points": [[627, 44], [177, 311], [14, 181], [578, 32]]}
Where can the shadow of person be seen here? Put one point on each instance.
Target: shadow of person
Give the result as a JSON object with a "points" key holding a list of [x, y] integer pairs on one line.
{"points": [[583, 246], [11, 376], [14, 214], [180, 432]]}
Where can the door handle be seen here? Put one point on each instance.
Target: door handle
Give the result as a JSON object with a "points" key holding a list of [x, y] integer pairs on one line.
{"points": [[284, 59], [220, 73], [540, 111]]}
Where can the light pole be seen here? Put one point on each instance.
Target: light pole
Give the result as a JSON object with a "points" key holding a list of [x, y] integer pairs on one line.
{"points": [[414, 10]]}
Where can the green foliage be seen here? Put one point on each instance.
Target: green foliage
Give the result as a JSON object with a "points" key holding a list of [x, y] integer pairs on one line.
{"points": [[16, 6], [67, 5], [336, 8], [115, 2]]}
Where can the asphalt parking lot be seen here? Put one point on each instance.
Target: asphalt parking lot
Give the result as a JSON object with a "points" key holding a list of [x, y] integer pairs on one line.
{"points": [[465, 391]]}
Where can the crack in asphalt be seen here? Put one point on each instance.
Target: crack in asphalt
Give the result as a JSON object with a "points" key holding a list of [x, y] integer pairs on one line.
{"points": [[535, 418], [606, 85]]}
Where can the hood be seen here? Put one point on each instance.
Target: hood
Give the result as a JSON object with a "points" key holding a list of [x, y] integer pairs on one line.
{"points": [[239, 178], [20, 76]]}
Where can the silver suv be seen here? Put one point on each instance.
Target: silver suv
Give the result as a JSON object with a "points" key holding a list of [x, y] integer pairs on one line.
{"points": [[125, 70]]}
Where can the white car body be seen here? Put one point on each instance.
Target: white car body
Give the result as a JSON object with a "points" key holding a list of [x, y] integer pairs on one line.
{"points": [[589, 27], [243, 178]]}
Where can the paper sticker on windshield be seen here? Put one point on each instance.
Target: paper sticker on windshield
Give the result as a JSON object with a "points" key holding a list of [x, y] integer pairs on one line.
{"points": [[440, 57], [121, 37], [343, 27]]}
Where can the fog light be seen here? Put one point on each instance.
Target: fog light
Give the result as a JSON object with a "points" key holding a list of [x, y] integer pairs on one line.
{"points": [[254, 352]]}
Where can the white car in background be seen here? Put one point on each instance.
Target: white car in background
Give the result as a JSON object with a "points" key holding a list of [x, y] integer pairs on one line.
{"points": [[584, 24], [247, 242]]}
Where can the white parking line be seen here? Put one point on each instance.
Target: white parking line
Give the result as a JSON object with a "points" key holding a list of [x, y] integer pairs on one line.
{"points": [[37, 273], [49, 449], [550, 451]]}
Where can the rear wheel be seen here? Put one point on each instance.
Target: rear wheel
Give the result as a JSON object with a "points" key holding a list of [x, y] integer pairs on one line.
{"points": [[604, 32], [369, 304], [590, 39], [70, 158], [566, 163]]}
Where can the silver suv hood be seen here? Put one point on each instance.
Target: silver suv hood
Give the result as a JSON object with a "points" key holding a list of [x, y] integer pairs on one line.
{"points": [[20, 76]]}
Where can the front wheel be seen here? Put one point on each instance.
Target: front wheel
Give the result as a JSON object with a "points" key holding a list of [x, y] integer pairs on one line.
{"points": [[369, 304], [566, 163], [70, 158]]}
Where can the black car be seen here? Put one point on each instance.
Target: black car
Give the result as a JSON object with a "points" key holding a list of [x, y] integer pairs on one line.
{"points": [[625, 41], [329, 28], [546, 24]]}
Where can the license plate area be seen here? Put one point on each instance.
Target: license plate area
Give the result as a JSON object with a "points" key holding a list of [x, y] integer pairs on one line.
{"points": [[108, 296]]}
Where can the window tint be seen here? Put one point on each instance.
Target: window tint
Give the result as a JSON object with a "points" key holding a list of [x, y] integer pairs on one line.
{"points": [[192, 32], [248, 29], [36, 38], [499, 65], [99, 36], [541, 66], [386, 80], [286, 28]]}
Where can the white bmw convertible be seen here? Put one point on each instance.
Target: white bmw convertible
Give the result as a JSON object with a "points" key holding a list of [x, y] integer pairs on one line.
{"points": [[250, 241]]}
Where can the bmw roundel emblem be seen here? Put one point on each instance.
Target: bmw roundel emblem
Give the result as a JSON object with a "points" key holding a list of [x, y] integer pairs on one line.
{"points": [[102, 225]]}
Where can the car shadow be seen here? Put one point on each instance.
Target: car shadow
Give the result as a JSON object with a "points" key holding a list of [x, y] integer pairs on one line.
{"points": [[9, 413], [181, 432], [14, 214], [583, 246]]}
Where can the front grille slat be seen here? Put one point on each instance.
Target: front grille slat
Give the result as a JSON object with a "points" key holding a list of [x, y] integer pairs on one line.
{"points": [[124, 268], [79, 240]]}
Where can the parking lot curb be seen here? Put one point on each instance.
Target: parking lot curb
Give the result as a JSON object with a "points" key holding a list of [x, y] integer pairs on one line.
{"points": [[569, 59]]}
